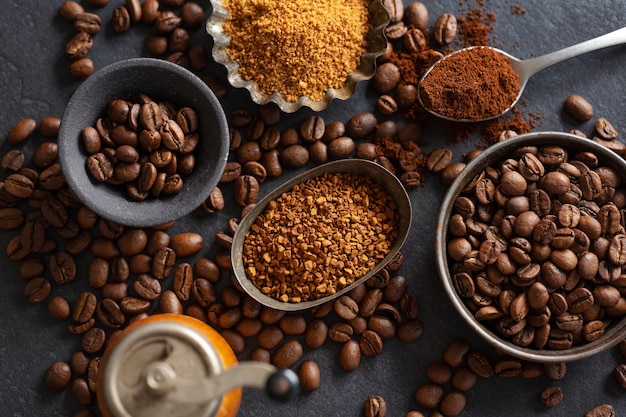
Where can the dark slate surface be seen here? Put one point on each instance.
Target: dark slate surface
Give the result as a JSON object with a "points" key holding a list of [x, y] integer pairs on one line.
{"points": [[35, 83]]}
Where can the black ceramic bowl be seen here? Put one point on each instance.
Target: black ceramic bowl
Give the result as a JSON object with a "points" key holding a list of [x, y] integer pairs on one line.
{"points": [[162, 81], [491, 157]]}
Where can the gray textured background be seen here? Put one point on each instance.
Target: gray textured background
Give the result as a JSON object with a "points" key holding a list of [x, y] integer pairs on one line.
{"points": [[34, 82]]}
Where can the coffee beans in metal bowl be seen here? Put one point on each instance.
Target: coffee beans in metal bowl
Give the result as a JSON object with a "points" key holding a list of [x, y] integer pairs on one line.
{"points": [[530, 246]]}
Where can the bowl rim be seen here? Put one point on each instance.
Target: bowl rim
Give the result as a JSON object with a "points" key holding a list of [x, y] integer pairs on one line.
{"points": [[496, 152], [354, 166], [70, 146], [377, 44]]}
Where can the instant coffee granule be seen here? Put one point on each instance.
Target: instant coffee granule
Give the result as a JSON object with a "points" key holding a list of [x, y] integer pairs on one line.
{"points": [[297, 48], [320, 237]]}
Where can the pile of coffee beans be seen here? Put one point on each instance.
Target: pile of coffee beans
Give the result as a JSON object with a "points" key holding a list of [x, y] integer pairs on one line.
{"points": [[534, 245], [144, 145], [134, 272], [173, 22]]}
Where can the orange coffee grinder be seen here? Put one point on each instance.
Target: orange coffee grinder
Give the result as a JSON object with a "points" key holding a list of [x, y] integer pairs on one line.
{"points": [[173, 365]]}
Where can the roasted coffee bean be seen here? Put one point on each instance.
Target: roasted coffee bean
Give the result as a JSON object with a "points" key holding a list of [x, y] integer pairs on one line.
{"points": [[169, 302], [410, 330], [287, 354], [429, 395], [445, 28], [371, 343], [577, 107], [110, 314], [59, 308], [350, 355], [183, 281], [340, 332], [62, 268], [186, 244], [439, 159], [79, 46], [163, 262], [121, 20], [602, 410], [58, 376], [438, 373], [551, 396], [480, 364], [246, 190], [309, 375], [12, 161], [375, 406], [316, 333], [80, 391], [269, 337], [293, 157], [386, 78], [93, 340], [453, 403], [203, 292], [88, 22], [79, 362]]}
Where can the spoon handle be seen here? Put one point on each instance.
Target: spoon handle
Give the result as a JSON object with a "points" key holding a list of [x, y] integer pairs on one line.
{"points": [[529, 67]]}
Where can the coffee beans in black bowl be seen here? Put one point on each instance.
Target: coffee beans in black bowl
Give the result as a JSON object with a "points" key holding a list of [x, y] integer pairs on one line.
{"points": [[143, 142], [530, 246]]}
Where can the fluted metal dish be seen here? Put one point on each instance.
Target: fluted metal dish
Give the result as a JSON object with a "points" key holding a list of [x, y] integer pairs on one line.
{"points": [[353, 166], [376, 45]]}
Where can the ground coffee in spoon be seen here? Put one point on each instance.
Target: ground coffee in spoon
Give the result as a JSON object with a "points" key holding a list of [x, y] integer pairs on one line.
{"points": [[472, 84]]}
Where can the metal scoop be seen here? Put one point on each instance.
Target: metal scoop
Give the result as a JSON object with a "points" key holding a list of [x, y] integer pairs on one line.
{"points": [[529, 67]]}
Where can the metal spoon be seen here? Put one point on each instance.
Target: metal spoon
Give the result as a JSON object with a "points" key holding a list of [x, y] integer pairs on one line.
{"points": [[529, 67]]}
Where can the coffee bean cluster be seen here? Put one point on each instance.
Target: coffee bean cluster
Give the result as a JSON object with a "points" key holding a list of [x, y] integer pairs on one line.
{"points": [[147, 147], [173, 20], [449, 379], [260, 150], [132, 273]]}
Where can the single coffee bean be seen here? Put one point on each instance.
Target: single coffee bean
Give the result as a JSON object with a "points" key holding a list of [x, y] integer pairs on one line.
{"points": [[445, 29], [416, 14], [59, 308], [58, 376], [350, 355], [429, 395], [88, 22], [346, 307], [186, 244], [602, 410], [371, 343], [287, 354], [93, 340], [309, 375], [453, 403], [375, 406]]}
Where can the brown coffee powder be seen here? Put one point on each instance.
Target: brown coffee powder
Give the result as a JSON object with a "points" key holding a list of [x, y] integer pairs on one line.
{"points": [[297, 47], [320, 237], [473, 84]]}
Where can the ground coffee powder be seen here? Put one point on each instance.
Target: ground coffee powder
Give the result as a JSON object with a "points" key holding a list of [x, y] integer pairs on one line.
{"points": [[472, 84]]}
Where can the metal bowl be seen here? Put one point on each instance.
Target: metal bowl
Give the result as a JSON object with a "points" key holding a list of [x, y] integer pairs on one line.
{"points": [[490, 157], [163, 81], [353, 166], [376, 45]]}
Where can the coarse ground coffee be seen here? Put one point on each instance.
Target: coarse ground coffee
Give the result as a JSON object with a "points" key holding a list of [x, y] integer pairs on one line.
{"points": [[298, 48]]}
